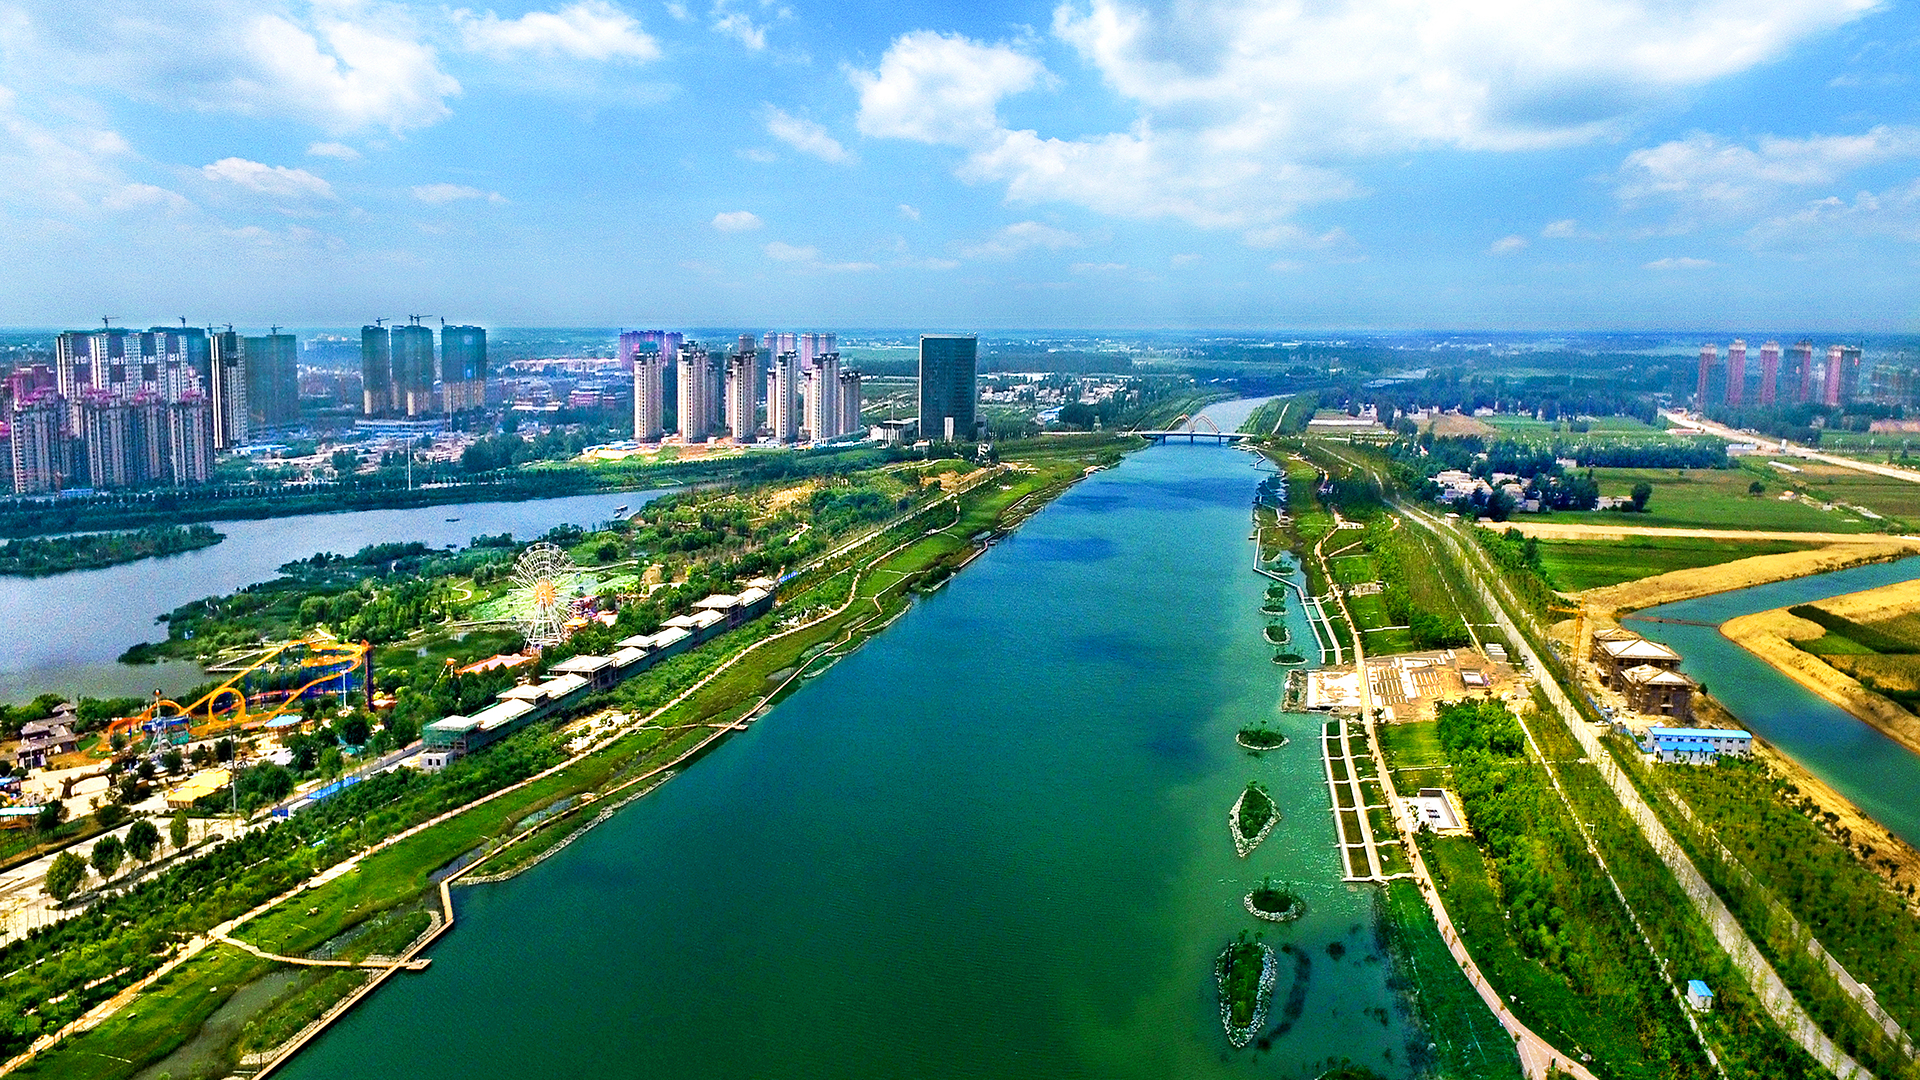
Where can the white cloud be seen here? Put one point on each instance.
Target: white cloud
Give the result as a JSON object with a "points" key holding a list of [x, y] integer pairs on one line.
{"points": [[737, 221], [588, 30], [1097, 268], [909, 212], [1707, 174], [805, 136], [442, 194], [1682, 262], [343, 76], [679, 11], [1507, 245], [809, 258], [275, 180], [941, 88], [1895, 212], [1565, 228], [1185, 258], [338, 151], [1248, 109], [1021, 236], [738, 26], [1293, 236]]}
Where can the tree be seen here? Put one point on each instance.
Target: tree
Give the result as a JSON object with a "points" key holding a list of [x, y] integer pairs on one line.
{"points": [[65, 875], [108, 853], [110, 816], [1756, 488], [50, 817], [173, 761], [1642, 491], [177, 831], [142, 840], [355, 729]]}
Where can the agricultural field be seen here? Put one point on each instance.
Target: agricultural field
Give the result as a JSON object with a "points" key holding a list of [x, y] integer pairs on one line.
{"points": [[1576, 565], [1713, 499], [1546, 432], [1883, 495]]}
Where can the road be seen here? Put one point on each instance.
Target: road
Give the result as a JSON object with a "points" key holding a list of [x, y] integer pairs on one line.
{"points": [[1557, 530], [1788, 449], [25, 905]]}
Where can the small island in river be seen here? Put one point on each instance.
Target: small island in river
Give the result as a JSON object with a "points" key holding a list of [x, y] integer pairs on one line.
{"points": [[40, 556]]}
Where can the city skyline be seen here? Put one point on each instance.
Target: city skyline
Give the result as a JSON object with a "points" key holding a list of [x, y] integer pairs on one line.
{"points": [[1080, 165]]}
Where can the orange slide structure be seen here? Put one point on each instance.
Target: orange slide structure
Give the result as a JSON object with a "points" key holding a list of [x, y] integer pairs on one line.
{"points": [[339, 659]]}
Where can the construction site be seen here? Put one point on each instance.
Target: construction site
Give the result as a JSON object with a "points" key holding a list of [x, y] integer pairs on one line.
{"points": [[1408, 687]]}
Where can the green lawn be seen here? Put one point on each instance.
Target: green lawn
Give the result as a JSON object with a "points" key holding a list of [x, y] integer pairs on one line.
{"points": [[1710, 499], [1412, 746], [1469, 1044], [1586, 564]]}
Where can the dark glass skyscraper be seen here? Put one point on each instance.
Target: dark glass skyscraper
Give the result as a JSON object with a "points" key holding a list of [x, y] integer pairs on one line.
{"points": [[376, 370], [948, 386], [413, 369], [273, 379], [463, 367]]}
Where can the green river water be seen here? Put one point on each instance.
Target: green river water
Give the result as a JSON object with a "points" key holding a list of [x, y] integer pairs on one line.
{"points": [[992, 843]]}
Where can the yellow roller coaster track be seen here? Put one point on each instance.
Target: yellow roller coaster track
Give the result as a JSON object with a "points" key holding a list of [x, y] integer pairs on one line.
{"points": [[354, 654]]}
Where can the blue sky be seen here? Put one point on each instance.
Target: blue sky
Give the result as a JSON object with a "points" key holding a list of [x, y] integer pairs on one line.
{"points": [[1381, 164]]}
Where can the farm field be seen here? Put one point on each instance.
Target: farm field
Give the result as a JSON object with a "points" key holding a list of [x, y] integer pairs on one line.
{"points": [[1712, 499], [1577, 565], [1884, 495], [1527, 429]]}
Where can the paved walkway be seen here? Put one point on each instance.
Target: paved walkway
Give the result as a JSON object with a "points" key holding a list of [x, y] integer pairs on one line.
{"points": [[1566, 530]]}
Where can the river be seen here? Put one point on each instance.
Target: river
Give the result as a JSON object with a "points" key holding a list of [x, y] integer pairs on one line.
{"points": [[1878, 775], [62, 633], [991, 843]]}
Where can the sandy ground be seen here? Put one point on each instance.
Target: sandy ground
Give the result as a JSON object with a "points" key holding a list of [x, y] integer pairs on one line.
{"points": [[1742, 573], [1452, 424], [1770, 636], [1560, 530], [1873, 605]]}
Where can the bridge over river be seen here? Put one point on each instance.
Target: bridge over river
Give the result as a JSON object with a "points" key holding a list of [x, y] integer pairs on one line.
{"points": [[1194, 429]]}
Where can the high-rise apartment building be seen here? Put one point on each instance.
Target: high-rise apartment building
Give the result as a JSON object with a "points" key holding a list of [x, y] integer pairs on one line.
{"points": [[743, 391], [632, 342], [463, 367], [1830, 390], [1709, 356], [1737, 372], [949, 386], [273, 381], [1852, 374], [413, 369], [850, 402], [230, 390], [1769, 373], [376, 371], [1803, 371], [783, 397], [111, 434], [162, 363], [823, 397], [695, 407], [649, 395], [813, 346], [190, 440], [39, 442]]}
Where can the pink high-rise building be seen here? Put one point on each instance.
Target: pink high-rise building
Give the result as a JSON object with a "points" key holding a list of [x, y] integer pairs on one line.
{"points": [[1737, 372], [1709, 356], [1769, 372], [666, 343], [1803, 367], [1836, 366]]}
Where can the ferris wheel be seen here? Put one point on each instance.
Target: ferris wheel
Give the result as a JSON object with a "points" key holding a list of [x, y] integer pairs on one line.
{"points": [[543, 585]]}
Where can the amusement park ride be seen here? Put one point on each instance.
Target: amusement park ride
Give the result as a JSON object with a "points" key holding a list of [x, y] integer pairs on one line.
{"points": [[270, 685]]}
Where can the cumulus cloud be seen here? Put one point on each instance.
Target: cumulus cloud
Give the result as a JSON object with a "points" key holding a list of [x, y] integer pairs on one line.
{"points": [[1021, 236], [1507, 245], [1894, 212], [1565, 228], [1680, 262], [911, 213], [274, 180], [1248, 109], [805, 136], [342, 75], [739, 26], [941, 88], [737, 221], [587, 30], [1704, 173], [338, 151], [442, 194]]}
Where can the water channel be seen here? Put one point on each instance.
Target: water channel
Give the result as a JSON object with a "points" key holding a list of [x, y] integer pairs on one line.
{"points": [[991, 843], [61, 633], [1878, 775]]}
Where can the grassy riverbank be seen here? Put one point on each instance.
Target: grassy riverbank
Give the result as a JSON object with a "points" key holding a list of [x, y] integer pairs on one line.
{"points": [[848, 598]]}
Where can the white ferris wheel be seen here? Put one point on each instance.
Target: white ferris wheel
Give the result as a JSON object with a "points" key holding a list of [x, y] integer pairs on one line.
{"points": [[543, 586]]}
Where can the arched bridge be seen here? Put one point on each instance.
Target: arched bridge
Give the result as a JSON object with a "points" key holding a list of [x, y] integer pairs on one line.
{"points": [[1193, 429]]}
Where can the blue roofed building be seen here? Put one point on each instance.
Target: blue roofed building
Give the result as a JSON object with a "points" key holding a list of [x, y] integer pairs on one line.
{"points": [[1695, 746]]}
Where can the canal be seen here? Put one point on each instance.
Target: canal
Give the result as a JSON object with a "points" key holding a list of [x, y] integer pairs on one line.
{"points": [[1877, 774], [991, 843], [61, 634]]}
